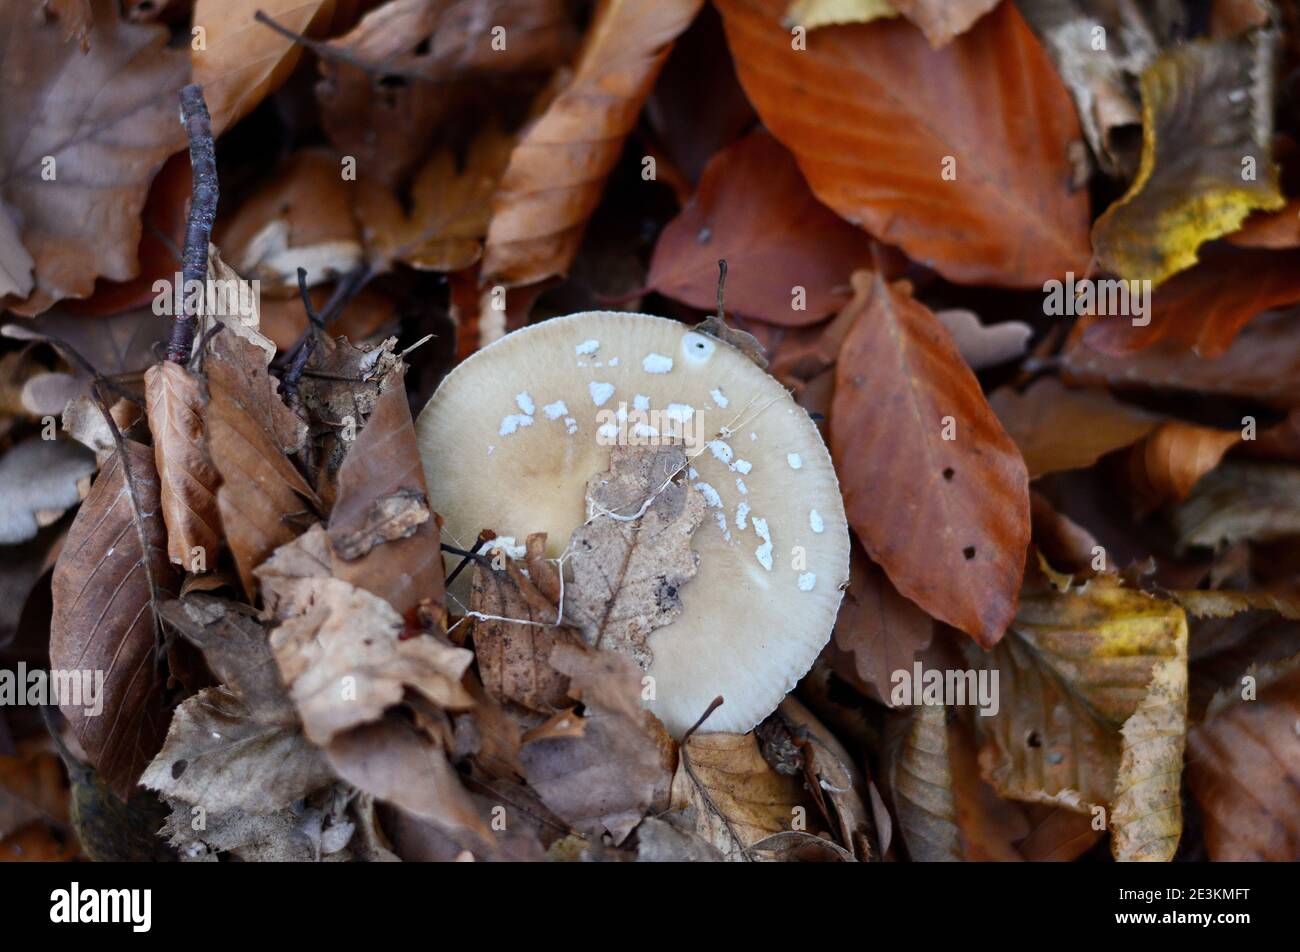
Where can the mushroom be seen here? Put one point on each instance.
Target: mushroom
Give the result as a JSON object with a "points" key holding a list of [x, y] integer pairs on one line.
{"points": [[514, 433]]}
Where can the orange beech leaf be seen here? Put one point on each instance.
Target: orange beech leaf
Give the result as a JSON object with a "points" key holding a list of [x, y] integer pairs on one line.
{"points": [[557, 172], [946, 518], [1057, 428], [754, 209], [1168, 463], [875, 117], [1277, 230], [1207, 306], [243, 61]]}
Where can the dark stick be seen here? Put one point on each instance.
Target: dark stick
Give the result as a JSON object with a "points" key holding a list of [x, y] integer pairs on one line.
{"points": [[722, 283], [203, 211]]}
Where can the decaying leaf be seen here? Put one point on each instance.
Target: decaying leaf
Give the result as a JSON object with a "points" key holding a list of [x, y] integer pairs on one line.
{"points": [[345, 663], [250, 433], [923, 788], [39, 481], [1238, 501], [104, 122], [634, 554], [985, 345], [1092, 710], [933, 486], [557, 170], [1244, 765], [110, 575], [735, 798], [175, 402], [220, 757], [620, 767], [1207, 111], [1167, 464]]}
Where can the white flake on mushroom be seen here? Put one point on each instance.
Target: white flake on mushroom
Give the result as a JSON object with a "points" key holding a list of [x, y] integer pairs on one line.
{"points": [[795, 460], [764, 552], [711, 497], [742, 513], [600, 392], [512, 422], [587, 347], [719, 397], [807, 581], [555, 410], [815, 521], [525, 403], [657, 364]]}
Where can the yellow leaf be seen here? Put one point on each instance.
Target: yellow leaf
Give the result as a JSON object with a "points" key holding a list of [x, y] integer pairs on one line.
{"points": [[1206, 163]]}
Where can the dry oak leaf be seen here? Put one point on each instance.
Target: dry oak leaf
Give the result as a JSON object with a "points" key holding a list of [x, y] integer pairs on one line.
{"points": [[107, 121], [634, 553], [874, 116], [1093, 688], [242, 61], [218, 756], [946, 518], [882, 630], [381, 525], [620, 768], [450, 209], [112, 570], [557, 171], [174, 401], [1058, 428], [737, 800], [1207, 306], [250, 431], [345, 662], [1244, 768], [1207, 114], [754, 209]]}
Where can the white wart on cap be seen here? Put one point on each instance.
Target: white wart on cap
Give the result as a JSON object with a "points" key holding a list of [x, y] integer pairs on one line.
{"points": [[514, 433]]}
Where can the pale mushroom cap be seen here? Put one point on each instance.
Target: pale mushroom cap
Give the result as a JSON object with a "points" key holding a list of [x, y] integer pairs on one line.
{"points": [[509, 442]]}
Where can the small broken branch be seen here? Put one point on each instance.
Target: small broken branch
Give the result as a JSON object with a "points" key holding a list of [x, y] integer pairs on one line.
{"points": [[203, 211]]}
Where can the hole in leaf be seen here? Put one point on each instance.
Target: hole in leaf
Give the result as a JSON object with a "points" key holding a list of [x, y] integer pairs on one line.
{"points": [[1033, 740], [178, 768], [969, 552], [947, 473]]}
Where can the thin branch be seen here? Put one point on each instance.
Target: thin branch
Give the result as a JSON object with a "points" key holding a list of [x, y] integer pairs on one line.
{"points": [[203, 211]]}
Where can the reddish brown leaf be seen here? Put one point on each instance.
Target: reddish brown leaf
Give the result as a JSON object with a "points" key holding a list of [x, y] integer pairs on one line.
{"points": [[107, 118], [1244, 767], [557, 172], [188, 479], [880, 628], [112, 569], [754, 209], [947, 519], [1206, 307], [872, 113]]}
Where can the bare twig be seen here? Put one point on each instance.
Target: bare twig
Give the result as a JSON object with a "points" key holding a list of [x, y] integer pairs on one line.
{"points": [[722, 283], [203, 211]]}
